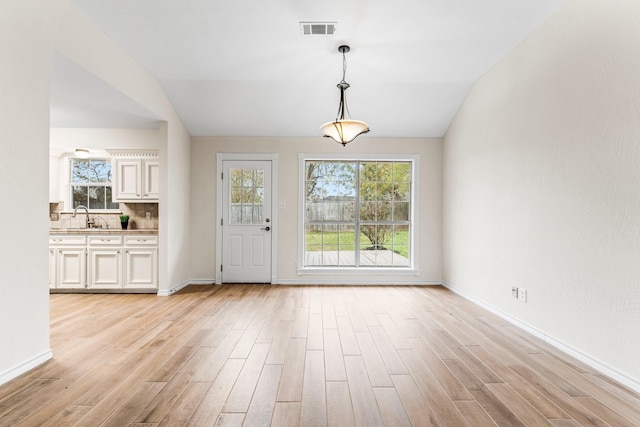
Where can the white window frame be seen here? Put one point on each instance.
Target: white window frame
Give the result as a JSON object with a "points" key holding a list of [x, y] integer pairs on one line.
{"points": [[413, 268], [68, 196]]}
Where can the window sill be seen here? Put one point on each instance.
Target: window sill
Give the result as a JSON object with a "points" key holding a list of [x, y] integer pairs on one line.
{"points": [[94, 211], [352, 271]]}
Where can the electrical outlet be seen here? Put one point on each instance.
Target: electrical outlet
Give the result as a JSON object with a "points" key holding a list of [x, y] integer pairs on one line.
{"points": [[148, 215], [522, 295], [54, 216], [514, 292]]}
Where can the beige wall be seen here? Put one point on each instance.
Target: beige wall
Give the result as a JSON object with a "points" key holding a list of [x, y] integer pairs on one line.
{"points": [[541, 184], [203, 201], [24, 165]]}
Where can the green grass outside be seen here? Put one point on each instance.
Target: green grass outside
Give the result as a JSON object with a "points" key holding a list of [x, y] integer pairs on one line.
{"points": [[332, 241]]}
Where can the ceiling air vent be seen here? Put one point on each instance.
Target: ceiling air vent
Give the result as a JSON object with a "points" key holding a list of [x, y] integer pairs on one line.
{"points": [[322, 28]]}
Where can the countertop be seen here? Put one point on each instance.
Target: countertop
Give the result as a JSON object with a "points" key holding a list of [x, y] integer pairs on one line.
{"points": [[88, 231]]}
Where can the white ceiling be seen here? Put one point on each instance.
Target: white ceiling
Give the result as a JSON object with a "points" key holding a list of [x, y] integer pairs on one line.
{"points": [[242, 68]]}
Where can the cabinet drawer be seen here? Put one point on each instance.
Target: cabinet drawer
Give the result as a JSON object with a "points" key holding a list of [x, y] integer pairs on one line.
{"points": [[140, 240], [105, 240], [67, 240]]}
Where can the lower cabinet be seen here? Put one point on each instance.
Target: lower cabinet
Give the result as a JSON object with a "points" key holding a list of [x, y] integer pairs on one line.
{"points": [[52, 268], [67, 262], [103, 262], [72, 266], [141, 262]]}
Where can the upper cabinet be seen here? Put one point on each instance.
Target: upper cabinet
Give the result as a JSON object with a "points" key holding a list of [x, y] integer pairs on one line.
{"points": [[151, 179], [136, 175], [55, 175], [54, 180]]}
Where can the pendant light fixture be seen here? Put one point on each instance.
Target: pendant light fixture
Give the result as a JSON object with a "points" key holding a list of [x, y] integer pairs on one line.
{"points": [[343, 130]]}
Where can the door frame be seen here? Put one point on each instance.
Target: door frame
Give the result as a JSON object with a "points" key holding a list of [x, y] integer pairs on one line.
{"points": [[273, 158]]}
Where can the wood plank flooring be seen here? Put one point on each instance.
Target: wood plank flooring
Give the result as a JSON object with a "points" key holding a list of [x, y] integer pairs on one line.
{"points": [[259, 355]]}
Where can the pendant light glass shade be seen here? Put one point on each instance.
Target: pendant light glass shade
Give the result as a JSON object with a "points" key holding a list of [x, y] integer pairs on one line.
{"points": [[343, 130]]}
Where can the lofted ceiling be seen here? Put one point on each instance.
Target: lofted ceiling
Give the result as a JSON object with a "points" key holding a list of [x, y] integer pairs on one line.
{"points": [[243, 68]]}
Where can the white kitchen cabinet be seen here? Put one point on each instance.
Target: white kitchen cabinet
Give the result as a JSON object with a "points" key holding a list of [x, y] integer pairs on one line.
{"points": [[67, 262], [136, 176], [54, 178], [105, 262], [141, 262], [127, 179], [52, 268], [150, 179], [71, 268]]}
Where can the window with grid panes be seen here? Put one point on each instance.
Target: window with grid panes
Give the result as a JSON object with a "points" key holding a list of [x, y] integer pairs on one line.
{"points": [[91, 184], [357, 213]]}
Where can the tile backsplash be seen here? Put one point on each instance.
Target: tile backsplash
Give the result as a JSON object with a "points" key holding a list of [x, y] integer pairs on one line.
{"points": [[59, 218]]}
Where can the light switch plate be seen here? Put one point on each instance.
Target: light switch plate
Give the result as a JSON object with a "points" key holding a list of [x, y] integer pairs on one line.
{"points": [[148, 215]]}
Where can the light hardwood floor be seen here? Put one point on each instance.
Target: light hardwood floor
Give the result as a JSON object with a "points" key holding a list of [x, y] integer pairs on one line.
{"points": [[263, 355]]}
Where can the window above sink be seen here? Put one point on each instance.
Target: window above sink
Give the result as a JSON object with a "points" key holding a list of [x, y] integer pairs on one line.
{"points": [[91, 184]]}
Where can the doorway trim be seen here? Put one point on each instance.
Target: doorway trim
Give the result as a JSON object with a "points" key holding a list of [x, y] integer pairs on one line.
{"points": [[273, 158]]}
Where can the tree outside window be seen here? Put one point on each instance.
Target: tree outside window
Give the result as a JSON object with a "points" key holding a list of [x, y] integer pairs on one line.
{"points": [[91, 184], [357, 213]]}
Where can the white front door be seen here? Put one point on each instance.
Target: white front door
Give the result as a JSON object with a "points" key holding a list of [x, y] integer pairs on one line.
{"points": [[246, 221]]}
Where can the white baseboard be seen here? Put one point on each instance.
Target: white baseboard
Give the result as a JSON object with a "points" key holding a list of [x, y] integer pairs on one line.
{"points": [[596, 364], [350, 281], [16, 371], [166, 293], [308, 281], [202, 281]]}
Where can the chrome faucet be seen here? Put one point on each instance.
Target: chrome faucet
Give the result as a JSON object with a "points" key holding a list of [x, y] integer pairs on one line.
{"points": [[95, 218], [75, 211]]}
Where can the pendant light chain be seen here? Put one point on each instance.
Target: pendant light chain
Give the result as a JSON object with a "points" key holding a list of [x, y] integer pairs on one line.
{"points": [[343, 85], [344, 130], [344, 66]]}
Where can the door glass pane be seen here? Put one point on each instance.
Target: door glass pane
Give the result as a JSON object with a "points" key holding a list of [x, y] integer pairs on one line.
{"points": [[247, 196]]}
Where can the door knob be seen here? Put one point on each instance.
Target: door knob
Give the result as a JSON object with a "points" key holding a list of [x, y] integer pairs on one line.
{"points": [[266, 228]]}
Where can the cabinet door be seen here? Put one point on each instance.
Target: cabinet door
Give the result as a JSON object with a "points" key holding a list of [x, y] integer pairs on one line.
{"points": [[105, 269], [54, 179], [151, 180], [127, 180], [52, 268], [71, 268], [141, 268]]}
